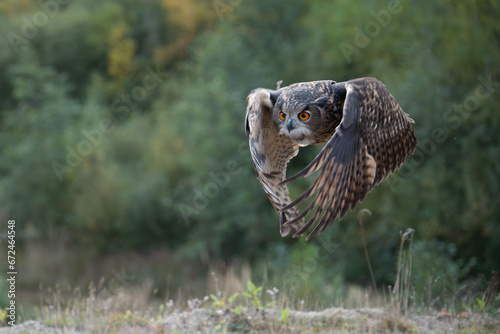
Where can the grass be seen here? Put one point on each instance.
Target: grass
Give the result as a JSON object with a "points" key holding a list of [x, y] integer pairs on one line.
{"points": [[252, 309], [235, 304]]}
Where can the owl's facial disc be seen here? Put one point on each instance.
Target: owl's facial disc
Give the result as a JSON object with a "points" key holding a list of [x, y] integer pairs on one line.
{"points": [[293, 126], [302, 117]]}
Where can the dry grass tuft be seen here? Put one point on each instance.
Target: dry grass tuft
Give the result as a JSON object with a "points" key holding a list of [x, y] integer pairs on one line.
{"points": [[234, 304]]}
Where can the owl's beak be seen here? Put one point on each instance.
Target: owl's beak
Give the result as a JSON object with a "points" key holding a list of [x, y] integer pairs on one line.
{"points": [[290, 125]]}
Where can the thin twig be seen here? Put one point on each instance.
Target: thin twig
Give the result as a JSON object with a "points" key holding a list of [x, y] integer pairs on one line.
{"points": [[402, 284]]}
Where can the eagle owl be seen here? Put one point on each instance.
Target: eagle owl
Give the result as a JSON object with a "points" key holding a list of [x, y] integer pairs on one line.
{"points": [[366, 135]]}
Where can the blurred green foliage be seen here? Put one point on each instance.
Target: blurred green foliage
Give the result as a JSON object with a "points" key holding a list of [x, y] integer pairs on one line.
{"points": [[122, 128]]}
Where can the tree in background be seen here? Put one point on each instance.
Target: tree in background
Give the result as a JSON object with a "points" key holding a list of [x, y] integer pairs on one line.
{"points": [[142, 106]]}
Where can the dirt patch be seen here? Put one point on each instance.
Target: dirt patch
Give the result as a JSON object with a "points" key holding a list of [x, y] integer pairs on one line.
{"points": [[338, 320]]}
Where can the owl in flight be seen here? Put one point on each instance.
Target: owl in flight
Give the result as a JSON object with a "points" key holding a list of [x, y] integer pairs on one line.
{"points": [[367, 136]]}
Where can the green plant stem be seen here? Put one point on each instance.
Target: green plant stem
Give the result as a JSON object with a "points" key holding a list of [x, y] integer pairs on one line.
{"points": [[360, 218]]}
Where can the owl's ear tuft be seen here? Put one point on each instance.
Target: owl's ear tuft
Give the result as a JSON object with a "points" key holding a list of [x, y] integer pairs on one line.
{"points": [[274, 94]]}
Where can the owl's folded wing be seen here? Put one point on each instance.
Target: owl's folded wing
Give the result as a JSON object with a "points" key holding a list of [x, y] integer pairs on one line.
{"points": [[373, 139], [271, 153]]}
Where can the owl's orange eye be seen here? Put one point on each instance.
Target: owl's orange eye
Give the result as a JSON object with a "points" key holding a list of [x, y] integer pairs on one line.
{"points": [[304, 116], [282, 115]]}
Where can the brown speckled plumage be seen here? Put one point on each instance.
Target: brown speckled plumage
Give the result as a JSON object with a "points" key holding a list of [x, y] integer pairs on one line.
{"points": [[367, 136]]}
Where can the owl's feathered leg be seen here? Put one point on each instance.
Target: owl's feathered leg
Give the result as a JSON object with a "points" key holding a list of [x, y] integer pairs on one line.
{"points": [[285, 218]]}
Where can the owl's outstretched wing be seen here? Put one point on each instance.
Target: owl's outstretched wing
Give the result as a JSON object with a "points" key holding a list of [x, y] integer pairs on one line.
{"points": [[373, 139], [271, 153]]}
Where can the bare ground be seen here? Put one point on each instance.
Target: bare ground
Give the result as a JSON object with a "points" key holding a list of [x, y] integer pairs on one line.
{"points": [[206, 320]]}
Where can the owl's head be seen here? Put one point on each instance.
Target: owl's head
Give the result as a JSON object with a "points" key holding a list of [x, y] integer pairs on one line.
{"points": [[301, 109]]}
